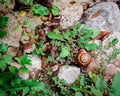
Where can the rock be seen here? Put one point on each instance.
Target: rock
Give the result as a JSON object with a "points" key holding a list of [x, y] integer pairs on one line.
{"points": [[55, 68], [69, 73], [15, 64], [36, 62], [70, 15], [12, 37], [13, 51], [104, 16], [23, 76], [110, 71], [66, 3]]}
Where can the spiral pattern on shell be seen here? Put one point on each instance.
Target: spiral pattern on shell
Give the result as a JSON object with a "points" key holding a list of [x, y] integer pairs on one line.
{"points": [[83, 58]]}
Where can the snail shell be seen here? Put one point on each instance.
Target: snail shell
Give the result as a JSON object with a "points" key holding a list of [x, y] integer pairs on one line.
{"points": [[83, 58]]}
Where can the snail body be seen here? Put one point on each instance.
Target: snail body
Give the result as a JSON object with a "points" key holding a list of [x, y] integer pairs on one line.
{"points": [[83, 58]]}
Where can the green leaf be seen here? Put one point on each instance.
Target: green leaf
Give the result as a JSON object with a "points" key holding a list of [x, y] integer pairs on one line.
{"points": [[75, 88], [96, 92], [54, 36], [82, 81], [3, 93], [39, 10], [17, 27], [3, 33], [13, 69], [55, 10], [75, 29], [26, 22], [115, 89], [15, 82], [65, 51], [4, 61], [8, 58], [95, 33], [24, 60], [113, 42], [18, 60], [91, 46], [100, 83], [68, 34], [3, 22], [25, 91], [3, 48], [24, 70], [27, 2], [78, 94]]}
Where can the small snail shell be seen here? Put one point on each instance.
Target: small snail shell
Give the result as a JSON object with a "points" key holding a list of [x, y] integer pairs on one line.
{"points": [[83, 58]]}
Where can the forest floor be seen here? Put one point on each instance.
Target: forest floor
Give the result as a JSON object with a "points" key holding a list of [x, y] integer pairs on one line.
{"points": [[59, 48]]}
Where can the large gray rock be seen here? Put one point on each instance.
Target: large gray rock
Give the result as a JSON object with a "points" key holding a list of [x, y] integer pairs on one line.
{"points": [[107, 16], [70, 15], [66, 3], [69, 73]]}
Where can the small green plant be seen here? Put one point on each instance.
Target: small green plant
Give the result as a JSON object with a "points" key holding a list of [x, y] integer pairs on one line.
{"points": [[50, 59], [7, 2], [79, 36], [39, 10], [54, 10], [114, 54], [61, 83], [115, 88], [3, 25], [11, 85], [23, 61], [5, 59], [83, 89], [112, 43], [39, 49], [64, 51], [27, 2]]}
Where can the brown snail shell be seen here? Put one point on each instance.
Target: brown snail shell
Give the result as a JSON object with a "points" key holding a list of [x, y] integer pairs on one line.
{"points": [[83, 58]]}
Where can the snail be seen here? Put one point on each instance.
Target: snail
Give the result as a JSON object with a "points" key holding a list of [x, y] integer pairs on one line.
{"points": [[83, 58]]}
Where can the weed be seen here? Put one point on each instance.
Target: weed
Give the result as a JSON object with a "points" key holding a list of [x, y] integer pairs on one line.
{"points": [[3, 25], [23, 61], [114, 54], [39, 49]]}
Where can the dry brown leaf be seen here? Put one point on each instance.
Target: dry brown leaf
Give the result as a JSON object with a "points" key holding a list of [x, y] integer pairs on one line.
{"points": [[96, 14]]}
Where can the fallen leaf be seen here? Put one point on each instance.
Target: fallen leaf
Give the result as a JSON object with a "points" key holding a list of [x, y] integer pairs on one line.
{"points": [[102, 35], [96, 14], [22, 13]]}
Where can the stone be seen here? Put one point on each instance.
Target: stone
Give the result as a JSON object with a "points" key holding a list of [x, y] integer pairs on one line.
{"points": [[70, 15], [104, 16], [110, 71], [66, 3], [69, 73], [23, 76], [12, 37], [13, 51], [36, 62]]}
